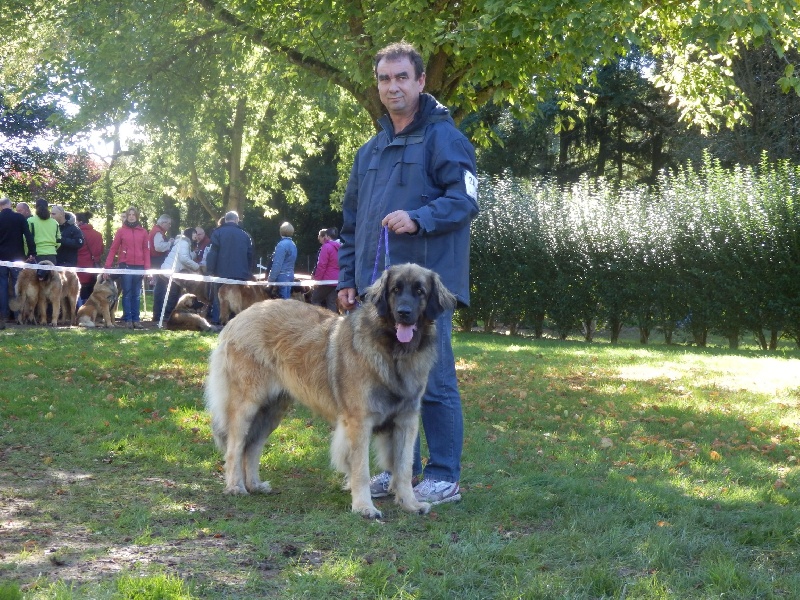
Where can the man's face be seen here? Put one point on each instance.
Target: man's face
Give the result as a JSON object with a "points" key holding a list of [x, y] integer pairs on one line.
{"points": [[398, 87], [200, 234]]}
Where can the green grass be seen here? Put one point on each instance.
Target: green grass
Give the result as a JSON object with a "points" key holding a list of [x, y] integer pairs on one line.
{"points": [[590, 471]]}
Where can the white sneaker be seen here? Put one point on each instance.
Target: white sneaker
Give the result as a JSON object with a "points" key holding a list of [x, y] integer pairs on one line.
{"points": [[437, 492], [379, 484]]}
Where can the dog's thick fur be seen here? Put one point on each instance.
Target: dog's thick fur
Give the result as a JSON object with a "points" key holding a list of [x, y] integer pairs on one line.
{"points": [[185, 316], [234, 299], [34, 290], [70, 290], [100, 304], [353, 370]]}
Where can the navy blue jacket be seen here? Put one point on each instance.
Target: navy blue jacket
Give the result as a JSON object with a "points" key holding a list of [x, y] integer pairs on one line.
{"points": [[13, 230], [71, 242], [427, 170], [231, 253]]}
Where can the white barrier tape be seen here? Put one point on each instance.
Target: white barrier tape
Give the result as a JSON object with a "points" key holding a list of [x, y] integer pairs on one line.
{"points": [[307, 282]]}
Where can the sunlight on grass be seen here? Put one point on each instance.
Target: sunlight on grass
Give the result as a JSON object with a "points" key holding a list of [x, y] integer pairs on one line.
{"points": [[763, 375]]}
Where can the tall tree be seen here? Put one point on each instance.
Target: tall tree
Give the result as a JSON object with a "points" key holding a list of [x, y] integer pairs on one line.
{"points": [[517, 50]]}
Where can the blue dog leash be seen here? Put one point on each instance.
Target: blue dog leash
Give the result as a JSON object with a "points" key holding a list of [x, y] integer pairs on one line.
{"points": [[383, 240]]}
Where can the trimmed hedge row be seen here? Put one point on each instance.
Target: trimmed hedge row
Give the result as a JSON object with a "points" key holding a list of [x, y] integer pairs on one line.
{"points": [[717, 250]]}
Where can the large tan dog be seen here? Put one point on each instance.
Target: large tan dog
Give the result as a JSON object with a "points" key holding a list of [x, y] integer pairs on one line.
{"points": [[35, 289], [100, 304], [365, 373], [185, 316]]}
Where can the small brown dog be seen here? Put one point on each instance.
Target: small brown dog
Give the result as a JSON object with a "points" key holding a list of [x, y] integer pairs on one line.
{"points": [[100, 304]]}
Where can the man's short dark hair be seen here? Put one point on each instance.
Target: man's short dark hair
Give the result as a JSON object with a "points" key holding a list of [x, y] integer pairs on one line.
{"points": [[84, 217], [231, 217], [399, 50]]}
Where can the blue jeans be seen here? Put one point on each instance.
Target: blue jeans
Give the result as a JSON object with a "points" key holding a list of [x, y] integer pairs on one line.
{"points": [[131, 294], [442, 419], [285, 291], [5, 273]]}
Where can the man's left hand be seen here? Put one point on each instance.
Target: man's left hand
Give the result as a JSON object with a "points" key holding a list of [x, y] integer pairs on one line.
{"points": [[399, 222]]}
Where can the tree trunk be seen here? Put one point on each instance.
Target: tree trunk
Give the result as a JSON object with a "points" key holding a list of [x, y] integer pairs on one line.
{"points": [[236, 183]]}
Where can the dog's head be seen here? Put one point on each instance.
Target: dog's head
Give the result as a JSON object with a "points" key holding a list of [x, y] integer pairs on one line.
{"points": [[408, 296], [44, 274], [189, 302]]}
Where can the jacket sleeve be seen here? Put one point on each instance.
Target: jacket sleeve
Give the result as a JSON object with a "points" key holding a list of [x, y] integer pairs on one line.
{"points": [[211, 258], [185, 258], [278, 258], [161, 243], [30, 243], [72, 238], [347, 252], [453, 170]]}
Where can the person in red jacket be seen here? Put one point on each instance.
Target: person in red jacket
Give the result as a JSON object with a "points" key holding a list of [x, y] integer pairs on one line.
{"points": [[89, 254], [131, 246], [327, 269]]}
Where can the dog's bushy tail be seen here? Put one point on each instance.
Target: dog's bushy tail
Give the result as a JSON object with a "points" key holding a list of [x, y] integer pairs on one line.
{"points": [[216, 396]]}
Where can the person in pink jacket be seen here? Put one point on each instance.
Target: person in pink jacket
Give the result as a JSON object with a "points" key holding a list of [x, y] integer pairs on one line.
{"points": [[131, 247], [327, 269]]}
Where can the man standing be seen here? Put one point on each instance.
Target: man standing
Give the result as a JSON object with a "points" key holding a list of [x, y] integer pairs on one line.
{"points": [[15, 237], [71, 236], [230, 256], [160, 245], [417, 178]]}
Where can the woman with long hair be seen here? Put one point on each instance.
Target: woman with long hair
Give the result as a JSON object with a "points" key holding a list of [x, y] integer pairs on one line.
{"points": [[131, 247]]}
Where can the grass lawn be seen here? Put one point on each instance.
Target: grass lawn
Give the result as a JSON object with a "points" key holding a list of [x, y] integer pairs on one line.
{"points": [[590, 471]]}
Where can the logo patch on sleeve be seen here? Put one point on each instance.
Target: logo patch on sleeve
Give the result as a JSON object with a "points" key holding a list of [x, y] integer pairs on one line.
{"points": [[471, 185]]}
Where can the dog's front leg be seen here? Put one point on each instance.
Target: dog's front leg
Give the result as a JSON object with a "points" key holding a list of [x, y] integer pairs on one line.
{"points": [[402, 439], [356, 435]]}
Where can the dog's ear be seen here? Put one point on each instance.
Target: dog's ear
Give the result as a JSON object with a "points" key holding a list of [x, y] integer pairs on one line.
{"points": [[378, 294], [439, 298]]}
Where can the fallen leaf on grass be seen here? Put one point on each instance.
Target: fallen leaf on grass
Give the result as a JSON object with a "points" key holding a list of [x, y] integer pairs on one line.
{"points": [[779, 484], [606, 443], [715, 456]]}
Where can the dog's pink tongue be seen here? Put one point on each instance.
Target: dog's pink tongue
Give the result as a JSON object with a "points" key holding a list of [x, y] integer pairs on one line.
{"points": [[405, 332]]}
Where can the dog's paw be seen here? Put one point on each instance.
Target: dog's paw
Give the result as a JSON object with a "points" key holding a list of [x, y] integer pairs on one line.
{"points": [[424, 508], [262, 487], [236, 490], [368, 512]]}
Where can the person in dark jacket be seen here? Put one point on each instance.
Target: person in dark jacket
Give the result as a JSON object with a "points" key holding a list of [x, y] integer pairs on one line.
{"points": [[71, 237], [16, 243], [230, 256], [417, 178]]}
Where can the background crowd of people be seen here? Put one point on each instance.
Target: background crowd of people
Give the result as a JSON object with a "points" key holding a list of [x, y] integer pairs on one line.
{"points": [[54, 234]]}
